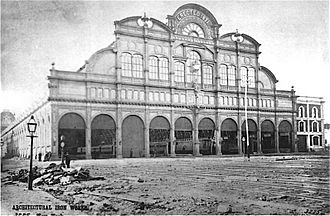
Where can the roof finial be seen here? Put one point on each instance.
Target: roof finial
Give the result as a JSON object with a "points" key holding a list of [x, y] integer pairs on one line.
{"points": [[53, 65]]}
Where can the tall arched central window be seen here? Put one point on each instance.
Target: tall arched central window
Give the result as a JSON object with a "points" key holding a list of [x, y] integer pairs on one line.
{"points": [[194, 66]]}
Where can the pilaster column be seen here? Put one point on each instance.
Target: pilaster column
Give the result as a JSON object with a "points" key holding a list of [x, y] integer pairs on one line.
{"points": [[218, 141], [195, 135], [146, 133], [88, 133], [119, 144], [259, 139], [277, 142]]}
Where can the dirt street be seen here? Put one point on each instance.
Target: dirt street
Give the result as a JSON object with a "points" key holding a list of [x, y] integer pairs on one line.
{"points": [[227, 185]]}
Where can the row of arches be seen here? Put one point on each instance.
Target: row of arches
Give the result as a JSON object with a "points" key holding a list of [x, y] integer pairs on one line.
{"points": [[103, 136]]}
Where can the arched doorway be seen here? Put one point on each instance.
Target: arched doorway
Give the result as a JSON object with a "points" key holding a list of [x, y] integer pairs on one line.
{"points": [[103, 137], [133, 137], [252, 127], [267, 137], [159, 136], [206, 136], [285, 136], [72, 127], [183, 136], [229, 137]]}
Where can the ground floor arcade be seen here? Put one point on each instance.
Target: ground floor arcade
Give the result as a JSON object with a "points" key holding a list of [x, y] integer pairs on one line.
{"points": [[105, 137]]}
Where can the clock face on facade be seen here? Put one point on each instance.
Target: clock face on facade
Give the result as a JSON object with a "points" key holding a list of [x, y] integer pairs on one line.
{"points": [[192, 29]]}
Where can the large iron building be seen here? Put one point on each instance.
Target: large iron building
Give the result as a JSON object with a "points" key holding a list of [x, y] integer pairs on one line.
{"points": [[164, 90]]}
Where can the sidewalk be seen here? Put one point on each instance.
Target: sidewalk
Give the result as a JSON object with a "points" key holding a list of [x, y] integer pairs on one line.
{"points": [[17, 196]]}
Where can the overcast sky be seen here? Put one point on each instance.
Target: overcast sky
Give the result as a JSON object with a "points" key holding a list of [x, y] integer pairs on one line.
{"points": [[294, 37]]}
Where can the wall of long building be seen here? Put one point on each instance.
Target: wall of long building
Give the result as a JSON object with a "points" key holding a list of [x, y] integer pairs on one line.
{"points": [[15, 136]]}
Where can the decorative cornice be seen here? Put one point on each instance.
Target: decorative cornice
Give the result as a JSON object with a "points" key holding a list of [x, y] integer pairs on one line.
{"points": [[116, 102]]}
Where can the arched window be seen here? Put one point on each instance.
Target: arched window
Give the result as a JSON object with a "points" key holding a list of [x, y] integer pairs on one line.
{"points": [[301, 111], [302, 126], [178, 72], [315, 112], [231, 75], [315, 126], [137, 68], [163, 68], [193, 67], [223, 75], [126, 64], [153, 66], [207, 75]]}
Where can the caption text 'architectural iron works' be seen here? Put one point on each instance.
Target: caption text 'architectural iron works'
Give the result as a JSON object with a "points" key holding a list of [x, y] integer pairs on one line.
{"points": [[164, 90]]}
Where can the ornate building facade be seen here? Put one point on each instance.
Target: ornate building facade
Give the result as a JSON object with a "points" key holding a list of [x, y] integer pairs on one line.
{"points": [[165, 90]]}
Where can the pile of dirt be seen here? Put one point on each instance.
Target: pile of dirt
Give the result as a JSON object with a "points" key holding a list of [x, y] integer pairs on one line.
{"points": [[53, 174]]}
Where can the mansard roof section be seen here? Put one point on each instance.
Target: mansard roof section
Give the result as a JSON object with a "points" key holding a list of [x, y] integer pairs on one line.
{"points": [[247, 39], [269, 73], [197, 7], [102, 61], [138, 21]]}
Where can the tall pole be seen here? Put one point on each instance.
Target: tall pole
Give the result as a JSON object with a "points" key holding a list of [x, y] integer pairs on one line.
{"points": [[246, 119], [31, 156]]}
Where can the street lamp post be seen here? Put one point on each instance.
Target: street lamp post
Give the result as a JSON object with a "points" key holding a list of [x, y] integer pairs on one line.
{"points": [[246, 119], [32, 126], [238, 38]]}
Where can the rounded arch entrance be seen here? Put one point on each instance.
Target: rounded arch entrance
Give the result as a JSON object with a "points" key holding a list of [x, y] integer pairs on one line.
{"points": [[252, 129], [103, 137], [229, 137], [183, 136], [159, 136], [206, 138], [133, 137], [285, 136], [268, 137], [72, 127]]}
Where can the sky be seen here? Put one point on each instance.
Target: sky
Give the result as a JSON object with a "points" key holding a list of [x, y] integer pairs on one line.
{"points": [[294, 38]]}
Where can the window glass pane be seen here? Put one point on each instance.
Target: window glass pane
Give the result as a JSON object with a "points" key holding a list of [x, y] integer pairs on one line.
{"points": [[153, 67], [179, 72], [137, 66], [231, 76], [207, 75], [223, 75], [163, 68], [126, 67]]}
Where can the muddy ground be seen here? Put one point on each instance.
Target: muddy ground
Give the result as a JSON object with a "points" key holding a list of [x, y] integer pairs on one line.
{"points": [[180, 186]]}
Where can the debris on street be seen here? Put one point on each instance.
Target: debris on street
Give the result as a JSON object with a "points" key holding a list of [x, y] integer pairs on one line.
{"points": [[53, 174]]}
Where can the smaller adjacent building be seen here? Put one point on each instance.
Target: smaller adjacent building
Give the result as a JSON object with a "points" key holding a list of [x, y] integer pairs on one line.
{"points": [[310, 123], [327, 135]]}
